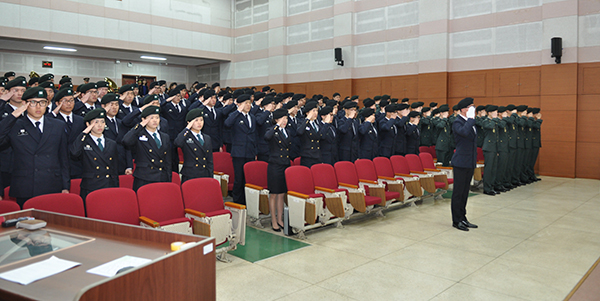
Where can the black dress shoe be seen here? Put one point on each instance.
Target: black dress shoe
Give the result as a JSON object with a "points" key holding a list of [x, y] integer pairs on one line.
{"points": [[276, 230], [460, 226], [469, 225], [500, 189], [492, 193]]}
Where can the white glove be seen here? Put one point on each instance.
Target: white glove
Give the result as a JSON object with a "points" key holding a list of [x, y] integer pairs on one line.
{"points": [[471, 112]]}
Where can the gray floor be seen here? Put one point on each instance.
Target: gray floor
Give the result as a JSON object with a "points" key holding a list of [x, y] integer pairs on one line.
{"points": [[534, 243]]}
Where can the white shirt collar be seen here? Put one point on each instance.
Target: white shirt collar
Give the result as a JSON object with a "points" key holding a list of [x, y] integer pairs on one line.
{"points": [[65, 116], [34, 121]]}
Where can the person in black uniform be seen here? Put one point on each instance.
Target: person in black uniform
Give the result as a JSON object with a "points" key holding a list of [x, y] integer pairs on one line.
{"points": [[152, 150], [64, 111], [12, 101], [244, 143], [413, 135], [264, 121], [310, 133], [115, 131], [490, 149], [463, 161], [134, 118], [126, 98], [196, 147], [40, 149], [89, 97], [402, 111], [368, 135], [348, 129], [292, 127], [174, 111], [98, 154], [213, 118], [387, 131], [279, 159], [329, 140]]}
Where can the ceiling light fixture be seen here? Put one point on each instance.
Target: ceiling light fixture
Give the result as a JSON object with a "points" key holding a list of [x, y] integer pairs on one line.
{"points": [[60, 48], [153, 58]]}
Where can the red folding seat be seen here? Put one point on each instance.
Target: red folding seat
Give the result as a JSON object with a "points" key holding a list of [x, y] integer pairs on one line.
{"points": [[326, 181], [402, 169], [297, 161], [367, 174], [75, 186], [433, 152], [175, 178], [8, 206], [429, 165], [256, 190], [161, 207], [347, 178], [223, 171], [414, 162], [423, 149], [385, 171], [204, 204], [65, 203], [7, 196], [113, 204], [126, 181], [480, 157]]}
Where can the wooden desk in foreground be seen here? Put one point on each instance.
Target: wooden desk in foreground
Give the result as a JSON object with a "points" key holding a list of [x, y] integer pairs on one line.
{"points": [[181, 275]]}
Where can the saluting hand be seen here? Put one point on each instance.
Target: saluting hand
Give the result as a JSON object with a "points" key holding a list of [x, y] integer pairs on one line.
{"points": [[145, 121], [18, 112], [88, 129], [190, 124], [328, 118], [57, 109], [6, 96]]}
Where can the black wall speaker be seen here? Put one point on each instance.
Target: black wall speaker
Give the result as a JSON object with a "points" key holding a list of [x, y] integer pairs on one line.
{"points": [[556, 49], [338, 56]]}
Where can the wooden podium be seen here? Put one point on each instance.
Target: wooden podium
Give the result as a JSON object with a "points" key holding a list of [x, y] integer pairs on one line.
{"points": [[181, 275]]}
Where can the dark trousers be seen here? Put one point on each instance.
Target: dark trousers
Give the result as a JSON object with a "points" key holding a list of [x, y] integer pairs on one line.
{"points": [[513, 154], [174, 159], [6, 176], [262, 157], [239, 196], [460, 193], [501, 179], [490, 170], [523, 164], [442, 156], [308, 162], [21, 201], [534, 155], [227, 147]]}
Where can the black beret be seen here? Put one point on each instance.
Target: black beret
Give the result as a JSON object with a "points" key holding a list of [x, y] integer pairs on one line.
{"points": [[110, 97], [529, 110], [259, 95], [242, 98], [65, 79], [433, 104], [491, 108], [435, 111], [465, 102], [35, 92], [413, 114], [480, 108], [287, 95], [390, 108], [279, 113], [385, 96], [354, 97], [66, 86], [367, 112], [425, 110], [536, 111], [510, 107], [9, 74], [376, 98], [331, 103], [181, 87], [94, 114], [152, 85], [174, 91], [215, 85], [414, 105], [102, 84], [521, 108], [222, 92], [125, 88], [310, 106], [404, 99], [32, 80], [368, 102], [46, 77], [326, 110], [336, 94], [202, 91], [47, 85], [291, 104], [401, 106], [3, 81], [444, 108], [268, 100], [277, 99], [17, 82], [88, 86], [384, 103], [208, 94], [150, 110], [501, 109], [193, 114], [455, 108], [227, 96], [237, 93], [350, 105], [266, 88], [63, 93], [162, 82], [150, 98], [393, 100]]}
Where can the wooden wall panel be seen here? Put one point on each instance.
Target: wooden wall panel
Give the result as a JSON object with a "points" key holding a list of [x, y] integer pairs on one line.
{"points": [[367, 87], [588, 102], [278, 87], [588, 160], [557, 158], [532, 101], [529, 81], [560, 79], [432, 85], [558, 103], [342, 86], [298, 88], [508, 83], [588, 124], [559, 126]]}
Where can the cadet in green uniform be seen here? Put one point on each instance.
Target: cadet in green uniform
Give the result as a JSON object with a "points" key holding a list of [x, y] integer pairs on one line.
{"points": [[443, 147], [502, 181], [490, 150], [525, 174], [479, 114], [511, 126], [521, 121], [536, 141], [435, 132], [426, 127]]}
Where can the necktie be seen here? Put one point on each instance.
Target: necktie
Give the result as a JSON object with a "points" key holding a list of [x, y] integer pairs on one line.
{"points": [[284, 133], [353, 128], [374, 130], [315, 126], [69, 122], [112, 120], [37, 125], [157, 140], [177, 107], [249, 122], [200, 139], [214, 113], [333, 131], [100, 146]]}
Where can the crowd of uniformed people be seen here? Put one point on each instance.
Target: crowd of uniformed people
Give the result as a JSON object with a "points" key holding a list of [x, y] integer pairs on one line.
{"points": [[51, 133]]}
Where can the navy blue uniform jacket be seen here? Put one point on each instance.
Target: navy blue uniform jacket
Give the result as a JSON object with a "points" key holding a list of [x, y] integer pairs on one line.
{"points": [[244, 136], [197, 158], [466, 143], [100, 168]]}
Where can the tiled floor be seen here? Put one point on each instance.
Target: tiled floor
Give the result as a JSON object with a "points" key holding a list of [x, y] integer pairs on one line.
{"points": [[533, 243]]}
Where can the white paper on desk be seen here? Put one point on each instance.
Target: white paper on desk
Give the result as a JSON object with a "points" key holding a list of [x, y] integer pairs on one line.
{"points": [[111, 268], [39, 270]]}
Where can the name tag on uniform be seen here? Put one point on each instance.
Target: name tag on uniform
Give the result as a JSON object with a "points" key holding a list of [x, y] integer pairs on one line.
{"points": [[308, 128], [241, 122], [5, 114], [22, 132], [87, 148], [190, 140], [143, 138]]}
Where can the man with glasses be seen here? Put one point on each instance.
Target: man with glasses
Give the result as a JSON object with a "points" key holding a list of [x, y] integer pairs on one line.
{"points": [[14, 90], [40, 149], [89, 97], [64, 111]]}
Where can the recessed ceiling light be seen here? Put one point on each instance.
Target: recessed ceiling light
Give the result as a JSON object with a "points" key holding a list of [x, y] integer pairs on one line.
{"points": [[60, 48], [153, 58]]}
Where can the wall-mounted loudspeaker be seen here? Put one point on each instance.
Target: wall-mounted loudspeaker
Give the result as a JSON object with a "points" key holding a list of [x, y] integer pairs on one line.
{"points": [[556, 49], [338, 56]]}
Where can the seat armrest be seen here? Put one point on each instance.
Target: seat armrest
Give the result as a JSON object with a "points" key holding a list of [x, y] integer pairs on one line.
{"points": [[368, 181], [347, 185], [194, 212], [386, 178], [298, 194], [149, 222], [254, 186], [444, 167], [218, 173], [418, 172], [431, 169], [403, 175], [324, 189], [235, 205]]}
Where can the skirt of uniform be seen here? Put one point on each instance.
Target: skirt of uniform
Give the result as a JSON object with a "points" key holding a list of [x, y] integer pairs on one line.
{"points": [[276, 178]]}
